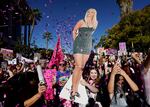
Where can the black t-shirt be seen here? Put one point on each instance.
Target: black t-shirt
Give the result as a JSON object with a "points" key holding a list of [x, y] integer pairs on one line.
{"points": [[20, 88]]}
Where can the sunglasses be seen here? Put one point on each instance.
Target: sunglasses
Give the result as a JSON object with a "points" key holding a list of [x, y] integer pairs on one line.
{"points": [[61, 64]]}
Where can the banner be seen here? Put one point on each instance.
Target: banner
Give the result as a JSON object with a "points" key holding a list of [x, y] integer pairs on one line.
{"points": [[58, 54], [26, 60], [111, 51], [12, 62], [7, 53]]}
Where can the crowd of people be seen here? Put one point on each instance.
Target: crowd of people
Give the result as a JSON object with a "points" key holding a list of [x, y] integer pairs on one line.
{"points": [[122, 81]]}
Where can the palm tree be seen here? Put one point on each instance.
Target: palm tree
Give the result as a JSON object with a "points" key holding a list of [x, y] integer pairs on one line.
{"points": [[34, 16], [48, 36]]}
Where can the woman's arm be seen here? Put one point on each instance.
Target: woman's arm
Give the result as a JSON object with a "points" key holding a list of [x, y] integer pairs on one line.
{"points": [[33, 99], [77, 26], [21, 69], [131, 83], [112, 80], [111, 85], [10, 74], [90, 87]]}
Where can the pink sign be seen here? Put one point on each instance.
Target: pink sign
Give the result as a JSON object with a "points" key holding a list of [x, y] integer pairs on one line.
{"points": [[122, 46]]}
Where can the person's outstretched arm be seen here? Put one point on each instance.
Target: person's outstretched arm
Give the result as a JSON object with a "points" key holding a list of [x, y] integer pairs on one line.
{"points": [[90, 87], [29, 102], [112, 80]]}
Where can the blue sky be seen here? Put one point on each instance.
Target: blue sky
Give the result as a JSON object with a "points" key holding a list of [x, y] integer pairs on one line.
{"points": [[62, 15]]}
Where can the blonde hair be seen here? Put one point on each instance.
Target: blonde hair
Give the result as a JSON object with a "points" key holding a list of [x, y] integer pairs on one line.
{"points": [[94, 19]]}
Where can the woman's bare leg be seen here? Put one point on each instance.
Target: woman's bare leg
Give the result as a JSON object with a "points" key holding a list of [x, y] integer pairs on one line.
{"points": [[80, 61], [85, 58], [77, 72]]}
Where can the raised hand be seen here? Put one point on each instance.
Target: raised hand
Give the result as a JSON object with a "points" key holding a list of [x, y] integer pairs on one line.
{"points": [[115, 69], [41, 89], [121, 72]]}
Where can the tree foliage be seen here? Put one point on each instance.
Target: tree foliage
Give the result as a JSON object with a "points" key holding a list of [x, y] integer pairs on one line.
{"points": [[34, 16], [132, 29]]}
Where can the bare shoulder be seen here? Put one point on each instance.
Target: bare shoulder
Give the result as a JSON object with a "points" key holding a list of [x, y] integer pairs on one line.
{"points": [[80, 21], [79, 24]]}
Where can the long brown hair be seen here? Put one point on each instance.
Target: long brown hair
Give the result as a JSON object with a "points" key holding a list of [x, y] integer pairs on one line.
{"points": [[98, 75]]}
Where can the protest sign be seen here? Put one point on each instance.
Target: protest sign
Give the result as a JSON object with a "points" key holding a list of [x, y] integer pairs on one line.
{"points": [[7, 53]]}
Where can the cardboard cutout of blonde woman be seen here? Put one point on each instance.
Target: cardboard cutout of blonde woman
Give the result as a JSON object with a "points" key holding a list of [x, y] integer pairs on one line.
{"points": [[82, 46]]}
